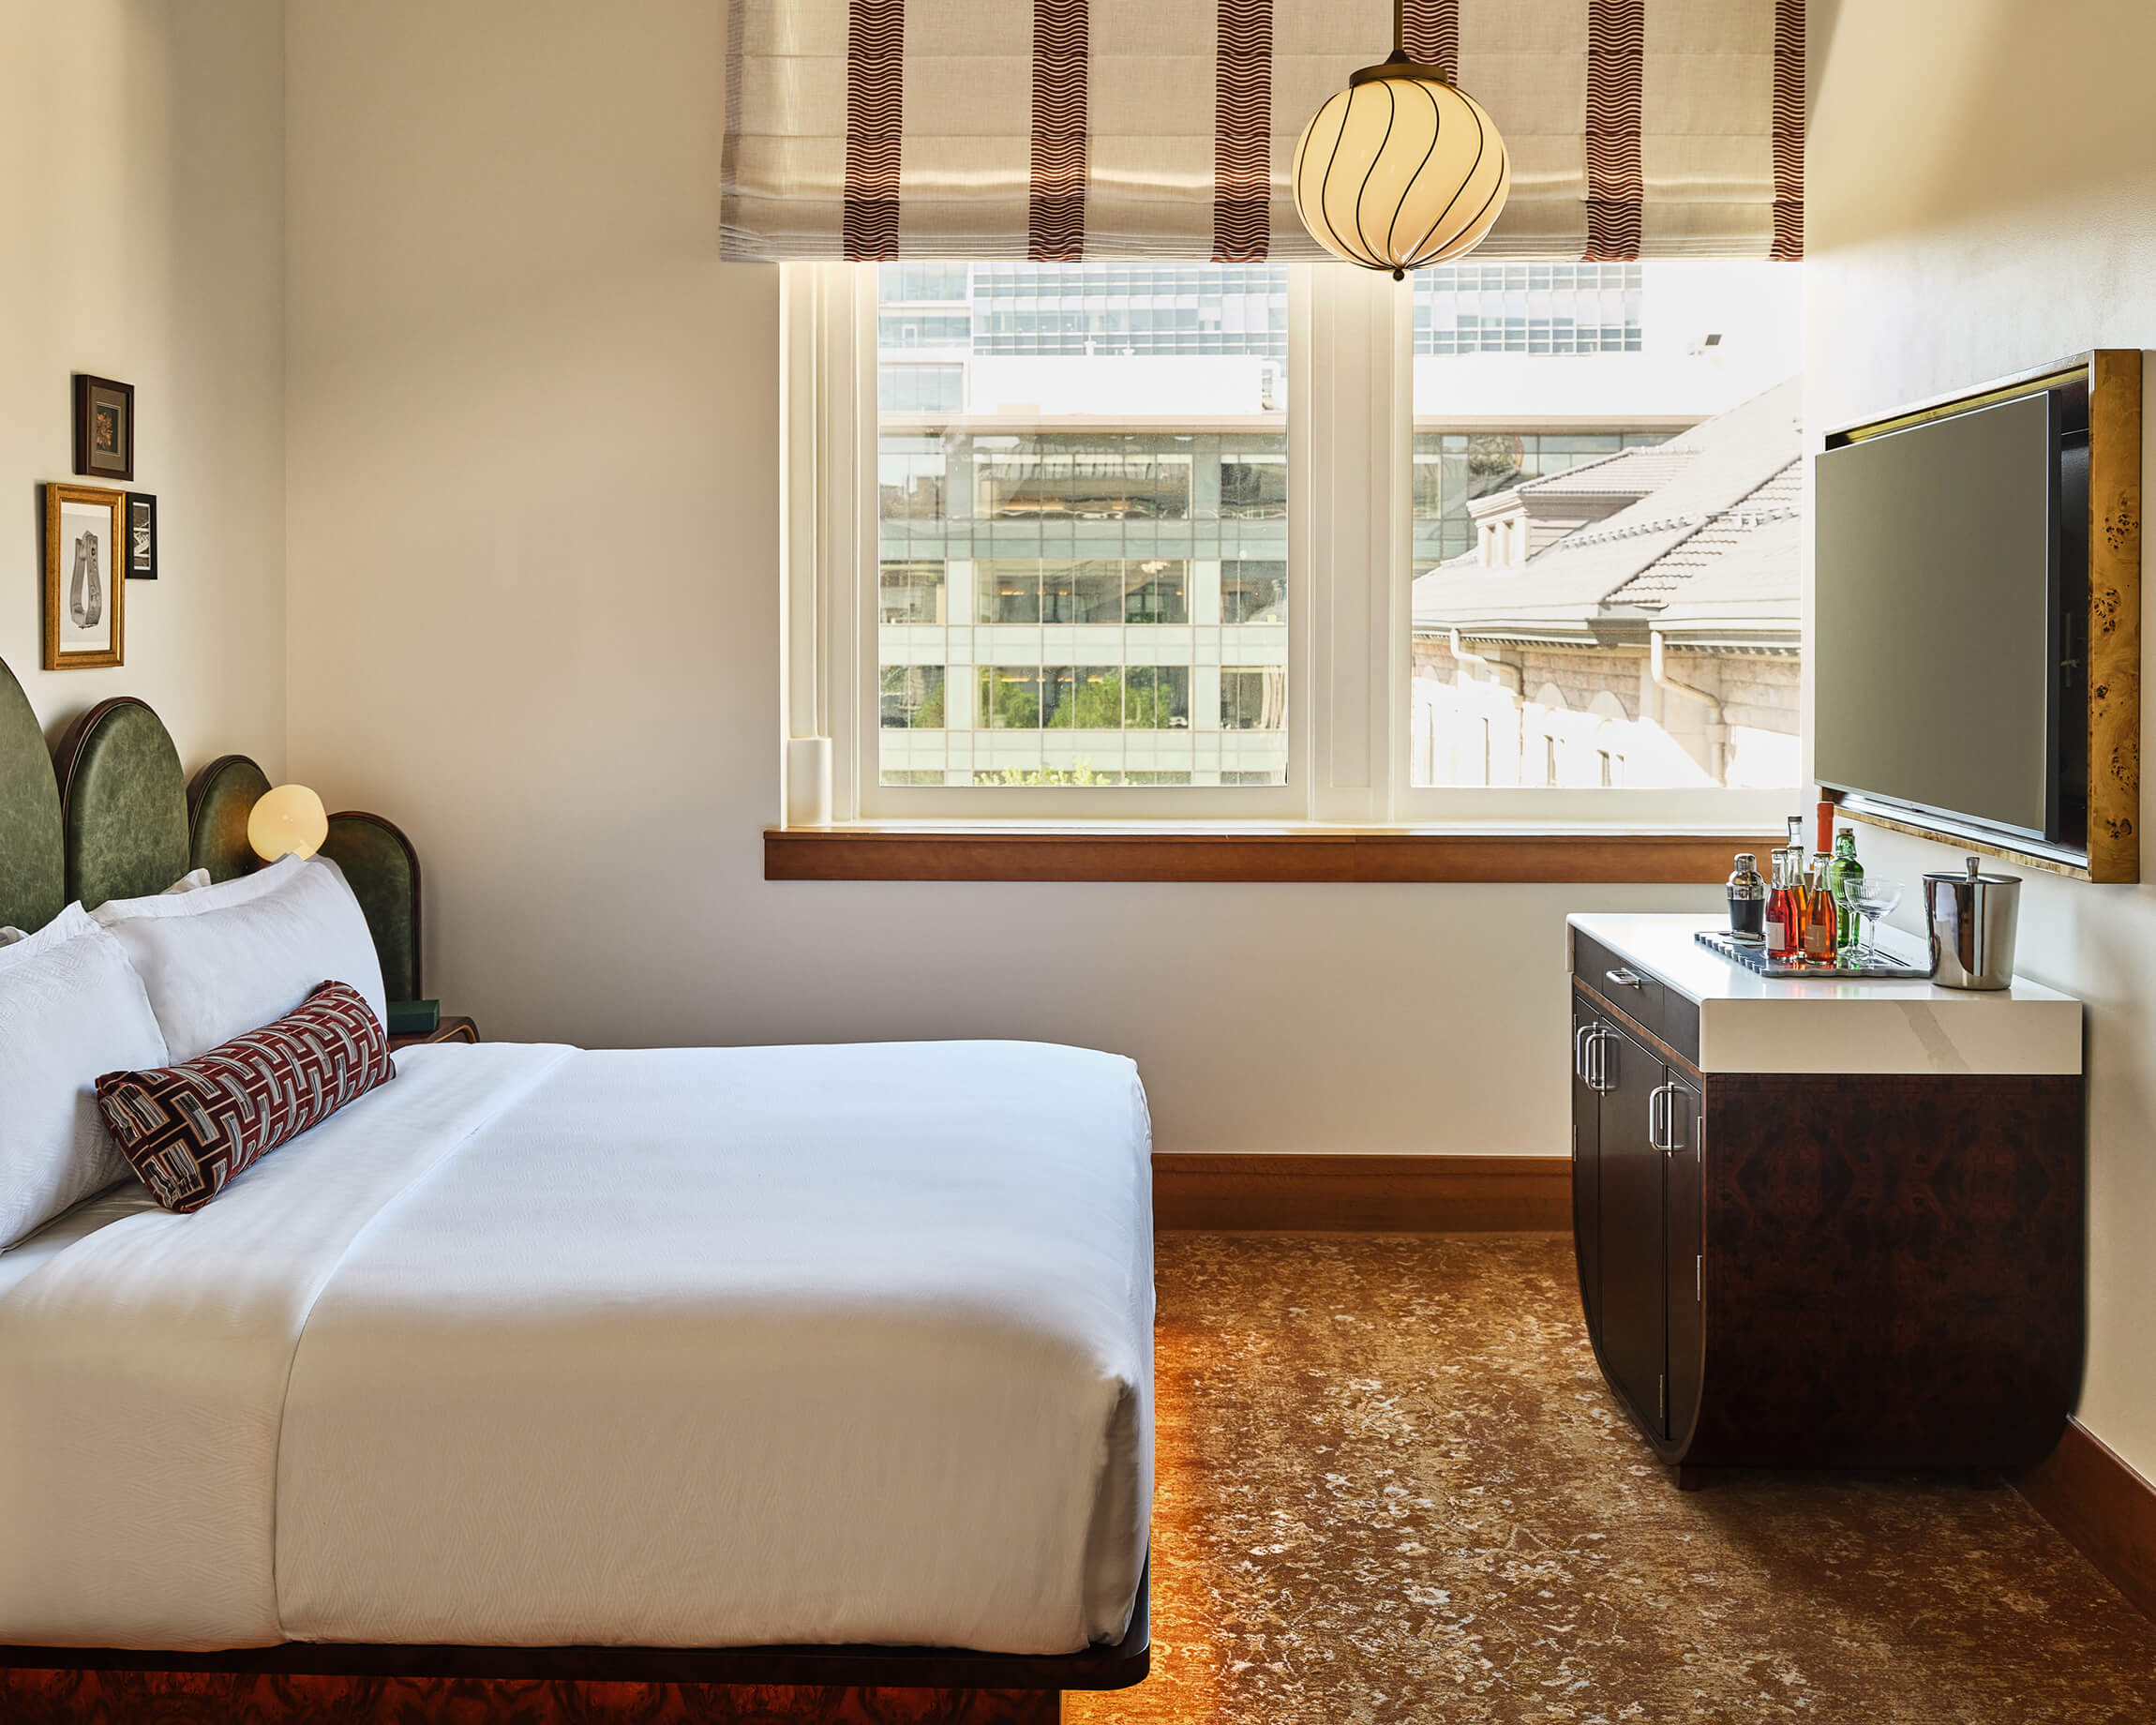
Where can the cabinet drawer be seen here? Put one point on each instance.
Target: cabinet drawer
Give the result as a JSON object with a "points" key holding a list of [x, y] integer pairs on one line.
{"points": [[1641, 993]]}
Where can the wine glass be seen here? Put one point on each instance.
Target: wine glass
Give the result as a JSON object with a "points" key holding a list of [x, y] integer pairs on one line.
{"points": [[1875, 899]]}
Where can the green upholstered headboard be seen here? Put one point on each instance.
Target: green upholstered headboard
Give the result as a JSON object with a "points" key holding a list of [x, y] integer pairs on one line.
{"points": [[111, 816], [122, 803], [219, 801], [33, 870], [378, 862]]}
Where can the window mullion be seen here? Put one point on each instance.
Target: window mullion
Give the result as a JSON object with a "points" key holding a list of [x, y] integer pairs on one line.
{"points": [[828, 475], [1354, 380]]}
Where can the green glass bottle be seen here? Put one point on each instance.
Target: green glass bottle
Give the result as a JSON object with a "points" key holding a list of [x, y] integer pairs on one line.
{"points": [[1845, 875]]}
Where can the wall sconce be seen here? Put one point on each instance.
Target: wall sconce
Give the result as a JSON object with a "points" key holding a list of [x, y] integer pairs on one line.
{"points": [[287, 821]]}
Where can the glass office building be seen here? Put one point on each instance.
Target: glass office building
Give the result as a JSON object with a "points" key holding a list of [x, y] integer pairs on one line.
{"points": [[1082, 504]]}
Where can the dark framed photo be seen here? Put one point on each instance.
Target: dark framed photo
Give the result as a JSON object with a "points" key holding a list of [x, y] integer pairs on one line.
{"points": [[104, 427], [141, 537], [84, 598]]}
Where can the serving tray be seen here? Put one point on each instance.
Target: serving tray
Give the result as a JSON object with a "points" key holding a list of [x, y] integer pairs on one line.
{"points": [[1755, 959]]}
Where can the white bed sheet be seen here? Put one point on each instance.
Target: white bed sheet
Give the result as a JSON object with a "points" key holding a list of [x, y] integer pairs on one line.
{"points": [[679, 1347], [115, 1203]]}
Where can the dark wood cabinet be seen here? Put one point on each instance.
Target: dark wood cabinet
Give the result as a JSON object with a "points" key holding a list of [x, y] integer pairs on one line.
{"points": [[1635, 1225], [1635, 1215], [1820, 1269]]}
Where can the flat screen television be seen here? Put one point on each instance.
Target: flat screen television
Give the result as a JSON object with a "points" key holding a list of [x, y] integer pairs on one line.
{"points": [[1951, 622]]}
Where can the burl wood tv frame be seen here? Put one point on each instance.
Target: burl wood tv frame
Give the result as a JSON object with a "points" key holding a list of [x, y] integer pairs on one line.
{"points": [[2111, 850]]}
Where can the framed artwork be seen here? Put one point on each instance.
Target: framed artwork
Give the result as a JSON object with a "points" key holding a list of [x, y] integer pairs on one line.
{"points": [[141, 537], [104, 427], [86, 551]]}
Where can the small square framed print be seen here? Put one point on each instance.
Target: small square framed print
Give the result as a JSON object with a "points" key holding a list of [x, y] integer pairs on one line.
{"points": [[141, 537], [85, 548], [104, 427]]}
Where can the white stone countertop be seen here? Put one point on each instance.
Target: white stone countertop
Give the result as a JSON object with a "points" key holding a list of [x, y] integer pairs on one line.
{"points": [[1749, 1023]]}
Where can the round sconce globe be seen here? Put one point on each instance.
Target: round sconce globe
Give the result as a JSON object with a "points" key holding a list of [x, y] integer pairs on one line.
{"points": [[287, 821]]}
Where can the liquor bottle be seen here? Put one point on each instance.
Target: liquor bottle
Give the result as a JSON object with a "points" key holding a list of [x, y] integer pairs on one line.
{"points": [[1822, 918], [1822, 855], [1783, 927], [1845, 880], [1748, 901], [1797, 869]]}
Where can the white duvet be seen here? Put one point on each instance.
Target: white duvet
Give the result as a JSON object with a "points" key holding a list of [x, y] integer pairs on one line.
{"points": [[687, 1347]]}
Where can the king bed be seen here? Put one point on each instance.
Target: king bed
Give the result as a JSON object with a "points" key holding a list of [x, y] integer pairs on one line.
{"points": [[825, 1366]]}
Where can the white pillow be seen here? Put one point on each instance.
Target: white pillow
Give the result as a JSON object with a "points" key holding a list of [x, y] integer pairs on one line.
{"points": [[227, 959], [194, 880], [71, 1008]]}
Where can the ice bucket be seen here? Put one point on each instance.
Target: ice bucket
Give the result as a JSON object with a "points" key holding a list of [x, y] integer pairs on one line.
{"points": [[1972, 919]]}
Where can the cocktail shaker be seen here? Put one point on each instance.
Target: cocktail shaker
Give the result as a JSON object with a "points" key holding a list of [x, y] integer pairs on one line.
{"points": [[1972, 918]]}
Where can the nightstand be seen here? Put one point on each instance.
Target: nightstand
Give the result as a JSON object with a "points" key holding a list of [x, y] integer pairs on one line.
{"points": [[448, 1030]]}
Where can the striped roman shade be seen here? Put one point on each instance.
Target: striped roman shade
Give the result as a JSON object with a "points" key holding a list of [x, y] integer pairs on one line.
{"points": [[1059, 129]]}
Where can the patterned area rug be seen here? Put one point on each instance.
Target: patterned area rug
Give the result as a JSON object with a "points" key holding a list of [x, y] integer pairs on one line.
{"points": [[1393, 1487]]}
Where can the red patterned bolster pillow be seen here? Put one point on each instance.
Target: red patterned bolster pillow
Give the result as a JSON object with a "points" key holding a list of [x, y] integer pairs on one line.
{"points": [[187, 1129]]}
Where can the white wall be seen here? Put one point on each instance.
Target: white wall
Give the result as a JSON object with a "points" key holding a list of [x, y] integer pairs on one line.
{"points": [[1982, 199], [534, 613], [142, 172]]}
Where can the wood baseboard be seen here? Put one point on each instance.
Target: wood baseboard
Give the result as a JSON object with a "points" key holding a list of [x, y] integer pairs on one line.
{"points": [[2106, 1508], [1367, 1195]]}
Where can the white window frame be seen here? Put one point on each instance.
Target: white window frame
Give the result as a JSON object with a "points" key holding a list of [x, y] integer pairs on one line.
{"points": [[1351, 431]]}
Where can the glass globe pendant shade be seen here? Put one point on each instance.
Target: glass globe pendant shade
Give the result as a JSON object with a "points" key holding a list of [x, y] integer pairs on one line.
{"points": [[1401, 169], [287, 821]]}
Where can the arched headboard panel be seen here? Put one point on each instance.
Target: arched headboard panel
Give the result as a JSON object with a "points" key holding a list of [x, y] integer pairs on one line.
{"points": [[122, 803], [33, 870], [219, 801], [384, 871]]}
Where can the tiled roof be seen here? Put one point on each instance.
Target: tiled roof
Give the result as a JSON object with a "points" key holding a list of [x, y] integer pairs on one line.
{"points": [[1777, 500], [1625, 473], [1718, 527]]}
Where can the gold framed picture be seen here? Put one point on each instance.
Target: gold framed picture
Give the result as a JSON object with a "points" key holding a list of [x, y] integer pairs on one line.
{"points": [[85, 592]]}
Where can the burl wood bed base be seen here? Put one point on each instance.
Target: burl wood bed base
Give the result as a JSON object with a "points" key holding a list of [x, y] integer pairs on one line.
{"points": [[365, 1685]]}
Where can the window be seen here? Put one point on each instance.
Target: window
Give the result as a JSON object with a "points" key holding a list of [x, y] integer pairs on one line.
{"points": [[1529, 308], [1510, 542], [1112, 595], [1253, 483], [1254, 590], [912, 590], [1605, 587], [1252, 700], [913, 696], [921, 389]]}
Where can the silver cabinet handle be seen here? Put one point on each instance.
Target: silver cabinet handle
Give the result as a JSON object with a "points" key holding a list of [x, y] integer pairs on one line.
{"points": [[1597, 1067], [1580, 1051], [1623, 978], [1662, 1127]]}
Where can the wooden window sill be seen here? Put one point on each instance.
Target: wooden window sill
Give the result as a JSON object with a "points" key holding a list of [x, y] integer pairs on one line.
{"points": [[1315, 855]]}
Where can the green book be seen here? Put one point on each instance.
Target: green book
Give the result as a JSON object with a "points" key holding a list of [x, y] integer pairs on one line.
{"points": [[414, 1017]]}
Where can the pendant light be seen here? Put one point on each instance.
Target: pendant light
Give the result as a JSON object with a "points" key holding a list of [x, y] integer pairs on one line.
{"points": [[1401, 169]]}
